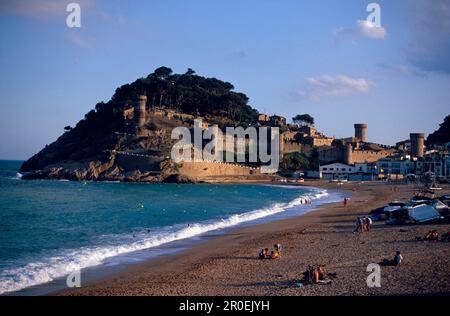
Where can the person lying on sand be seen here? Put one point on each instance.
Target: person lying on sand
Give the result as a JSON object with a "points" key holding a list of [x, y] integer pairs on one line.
{"points": [[316, 275], [274, 255], [264, 254], [397, 261], [432, 235]]}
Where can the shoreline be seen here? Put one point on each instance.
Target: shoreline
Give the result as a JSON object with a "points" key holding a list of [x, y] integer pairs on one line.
{"points": [[228, 264], [121, 262]]}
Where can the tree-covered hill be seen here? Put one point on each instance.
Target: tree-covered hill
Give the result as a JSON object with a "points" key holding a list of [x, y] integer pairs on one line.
{"points": [[442, 134], [187, 93]]}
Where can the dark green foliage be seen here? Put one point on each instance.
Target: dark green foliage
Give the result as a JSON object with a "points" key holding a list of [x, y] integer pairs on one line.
{"points": [[294, 162], [303, 119], [442, 135], [188, 93]]}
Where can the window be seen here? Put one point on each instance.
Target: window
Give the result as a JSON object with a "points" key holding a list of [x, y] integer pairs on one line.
{"points": [[343, 169], [325, 169]]}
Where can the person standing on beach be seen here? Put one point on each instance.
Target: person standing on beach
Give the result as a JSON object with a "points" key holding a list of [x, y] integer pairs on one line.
{"points": [[345, 202], [368, 223], [359, 225], [365, 223]]}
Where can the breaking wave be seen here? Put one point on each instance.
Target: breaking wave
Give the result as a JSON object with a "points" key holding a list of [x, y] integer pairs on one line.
{"points": [[69, 261]]}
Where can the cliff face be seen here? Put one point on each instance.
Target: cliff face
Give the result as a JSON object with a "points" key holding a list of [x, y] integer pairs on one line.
{"points": [[116, 156]]}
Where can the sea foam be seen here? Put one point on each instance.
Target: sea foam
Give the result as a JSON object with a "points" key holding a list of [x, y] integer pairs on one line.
{"points": [[54, 267]]}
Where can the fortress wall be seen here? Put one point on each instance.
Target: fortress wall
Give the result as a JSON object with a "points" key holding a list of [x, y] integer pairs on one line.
{"points": [[291, 147], [354, 156], [361, 156], [331, 154], [210, 169]]}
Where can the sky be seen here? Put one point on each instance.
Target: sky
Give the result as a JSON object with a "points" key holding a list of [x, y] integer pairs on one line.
{"points": [[290, 57]]}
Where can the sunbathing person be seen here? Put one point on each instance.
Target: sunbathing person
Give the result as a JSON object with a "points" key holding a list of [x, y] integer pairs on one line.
{"points": [[434, 236], [278, 248], [397, 261], [264, 254], [275, 254], [319, 275], [308, 275]]}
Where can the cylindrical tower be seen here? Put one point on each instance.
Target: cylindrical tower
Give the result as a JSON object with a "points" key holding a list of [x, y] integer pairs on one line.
{"points": [[348, 154], [360, 132], [139, 111], [417, 144]]}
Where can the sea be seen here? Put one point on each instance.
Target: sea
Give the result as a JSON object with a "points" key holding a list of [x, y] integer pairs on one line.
{"points": [[50, 229]]}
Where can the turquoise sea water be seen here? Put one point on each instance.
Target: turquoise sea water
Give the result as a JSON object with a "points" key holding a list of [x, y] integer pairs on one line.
{"points": [[48, 229]]}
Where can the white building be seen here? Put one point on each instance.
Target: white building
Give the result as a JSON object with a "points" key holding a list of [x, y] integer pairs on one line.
{"points": [[336, 171], [395, 166]]}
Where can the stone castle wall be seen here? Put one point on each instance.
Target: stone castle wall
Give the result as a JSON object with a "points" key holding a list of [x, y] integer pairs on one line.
{"points": [[204, 169], [289, 147], [332, 154], [362, 156]]}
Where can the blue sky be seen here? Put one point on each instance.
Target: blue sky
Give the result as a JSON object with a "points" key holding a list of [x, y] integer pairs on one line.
{"points": [[289, 57]]}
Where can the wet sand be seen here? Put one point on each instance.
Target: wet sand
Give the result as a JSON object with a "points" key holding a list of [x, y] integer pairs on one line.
{"points": [[228, 265]]}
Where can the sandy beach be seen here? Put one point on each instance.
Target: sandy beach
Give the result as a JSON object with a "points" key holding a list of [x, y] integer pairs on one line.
{"points": [[228, 265]]}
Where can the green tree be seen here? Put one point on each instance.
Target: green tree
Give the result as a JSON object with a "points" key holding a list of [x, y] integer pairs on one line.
{"points": [[293, 162], [303, 119], [190, 72], [162, 72]]}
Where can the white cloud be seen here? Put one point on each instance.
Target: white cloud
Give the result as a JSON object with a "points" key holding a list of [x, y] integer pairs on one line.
{"points": [[362, 29], [365, 29], [332, 85]]}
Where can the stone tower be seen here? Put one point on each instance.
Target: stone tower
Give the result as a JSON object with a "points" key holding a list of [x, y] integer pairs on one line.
{"points": [[360, 132], [348, 154], [139, 112], [417, 144]]}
